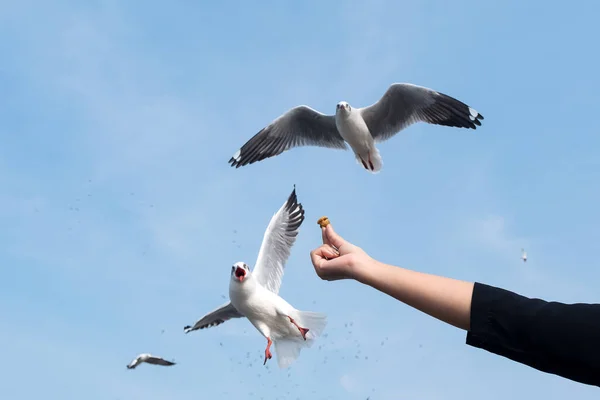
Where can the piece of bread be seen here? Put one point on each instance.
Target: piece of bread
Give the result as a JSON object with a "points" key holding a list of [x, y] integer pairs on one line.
{"points": [[323, 222]]}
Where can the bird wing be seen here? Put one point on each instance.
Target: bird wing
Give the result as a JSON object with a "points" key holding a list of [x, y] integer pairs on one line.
{"points": [[277, 243], [134, 362], [300, 126], [403, 104], [216, 317], [159, 361]]}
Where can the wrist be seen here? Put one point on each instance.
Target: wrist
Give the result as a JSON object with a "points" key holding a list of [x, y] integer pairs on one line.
{"points": [[362, 269]]}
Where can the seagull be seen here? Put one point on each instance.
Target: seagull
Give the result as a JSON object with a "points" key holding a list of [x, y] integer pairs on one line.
{"points": [[255, 294], [523, 255], [402, 105], [150, 359]]}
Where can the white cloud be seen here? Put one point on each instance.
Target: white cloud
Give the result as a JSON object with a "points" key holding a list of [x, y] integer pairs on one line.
{"points": [[493, 233], [349, 383]]}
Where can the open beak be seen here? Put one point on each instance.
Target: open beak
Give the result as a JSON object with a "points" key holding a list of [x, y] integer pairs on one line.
{"points": [[240, 273]]}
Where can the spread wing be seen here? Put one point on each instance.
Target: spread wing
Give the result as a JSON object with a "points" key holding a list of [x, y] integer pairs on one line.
{"points": [[403, 104], [300, 126], [277, 243], [134, 363], [216, 317], [159, 361]]}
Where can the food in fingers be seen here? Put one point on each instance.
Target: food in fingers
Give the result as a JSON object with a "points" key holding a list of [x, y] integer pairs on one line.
{"points": [[323, 222]]}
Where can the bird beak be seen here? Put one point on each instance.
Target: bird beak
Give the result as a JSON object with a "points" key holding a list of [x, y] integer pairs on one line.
{"points": [[240, 273]]}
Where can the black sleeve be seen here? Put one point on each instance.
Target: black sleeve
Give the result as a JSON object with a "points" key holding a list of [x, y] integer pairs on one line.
{"points": [[561, 339]]}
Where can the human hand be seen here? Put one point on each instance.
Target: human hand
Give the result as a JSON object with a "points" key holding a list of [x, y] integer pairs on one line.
{"points": [[337, 258]]}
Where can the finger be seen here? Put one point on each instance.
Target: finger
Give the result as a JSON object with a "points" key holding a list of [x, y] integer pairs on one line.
{"points": [[324, 235], [322, 254], [335, 250], [317, 257], [333, 238], [321, 265], [329, 252]]}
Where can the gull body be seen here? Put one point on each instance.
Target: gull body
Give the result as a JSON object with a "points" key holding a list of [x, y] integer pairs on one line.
{"points": [[355, 132], [402, 105], [255, 294]]}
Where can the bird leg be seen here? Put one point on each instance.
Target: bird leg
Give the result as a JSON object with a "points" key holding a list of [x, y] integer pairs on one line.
{"points": [[268, 354], [371, 163], [363, 163], [303, 331]]}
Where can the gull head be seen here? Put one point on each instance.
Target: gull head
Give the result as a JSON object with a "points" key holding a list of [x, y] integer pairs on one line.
{"points": [[240, 272], [343, 107]]}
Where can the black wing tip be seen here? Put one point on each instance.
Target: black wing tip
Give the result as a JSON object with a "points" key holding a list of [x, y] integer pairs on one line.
{"points": [[295, 209], [476, 121], [293, 198], [237, 163], [477, 118], [244, 160], [462, 115]]}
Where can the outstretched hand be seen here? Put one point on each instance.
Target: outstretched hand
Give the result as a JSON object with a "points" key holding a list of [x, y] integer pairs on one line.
{"points": [[337, 258]]}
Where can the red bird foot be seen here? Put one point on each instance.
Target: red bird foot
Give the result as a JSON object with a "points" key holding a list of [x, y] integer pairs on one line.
{"points": [[303, 331], [268, 354]]}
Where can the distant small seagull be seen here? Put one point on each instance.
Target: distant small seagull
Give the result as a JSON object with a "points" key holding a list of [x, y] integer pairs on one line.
{"points": [[523, 255], [254, 295], [402, 105], [150, 359]]}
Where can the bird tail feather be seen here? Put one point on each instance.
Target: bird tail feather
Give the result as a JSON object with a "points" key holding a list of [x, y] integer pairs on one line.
{"points": [[376, 160], [315, 323], [288, 349], [373, 155]]}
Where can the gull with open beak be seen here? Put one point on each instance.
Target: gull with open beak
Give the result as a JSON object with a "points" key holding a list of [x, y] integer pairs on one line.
{"points": [[255, 294]]}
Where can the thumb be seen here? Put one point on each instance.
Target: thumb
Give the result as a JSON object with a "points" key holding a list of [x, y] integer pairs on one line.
{"points": [[332, 237]]}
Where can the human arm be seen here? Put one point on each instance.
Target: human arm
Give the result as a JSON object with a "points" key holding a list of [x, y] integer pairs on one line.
{"points": [[446, 299], [549, 336]]}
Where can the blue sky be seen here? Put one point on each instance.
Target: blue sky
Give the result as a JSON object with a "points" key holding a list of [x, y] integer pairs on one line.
{"points": [[120, 217]]}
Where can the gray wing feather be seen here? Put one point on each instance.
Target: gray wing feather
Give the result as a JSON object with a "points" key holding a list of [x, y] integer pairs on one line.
{"points": [[216, 317], [300, 126], [403, 104], [277, 243], [159, 361]]}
